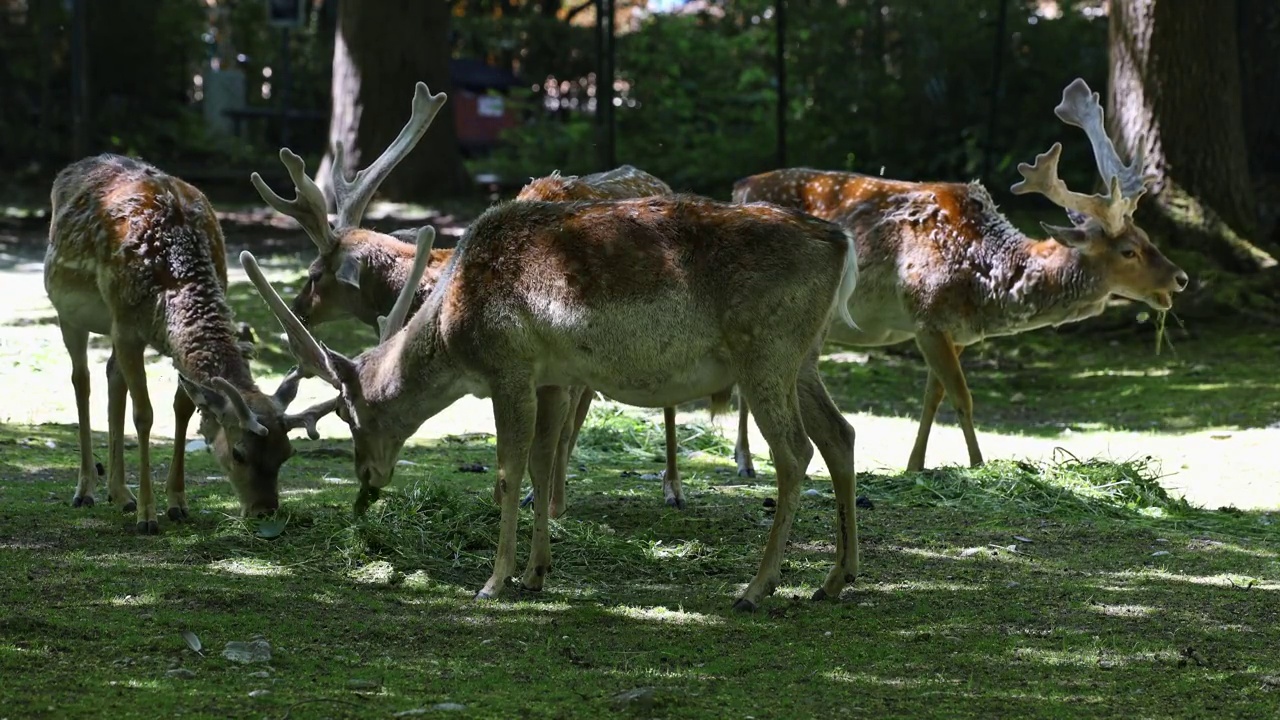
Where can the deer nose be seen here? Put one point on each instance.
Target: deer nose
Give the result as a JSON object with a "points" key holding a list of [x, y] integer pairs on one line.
{"points": [[1181, 280]]}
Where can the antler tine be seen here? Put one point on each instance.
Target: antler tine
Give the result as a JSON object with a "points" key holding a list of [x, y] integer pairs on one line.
{"points": [[1082, 108], [353, 196], [307, 418], [311, 354], [1042, 177], [308, 205], [391, 323]]}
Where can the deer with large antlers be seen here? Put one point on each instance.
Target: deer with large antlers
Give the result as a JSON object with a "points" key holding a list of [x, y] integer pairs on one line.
{"points": [[941, 265], [654, 302], [359, 273], [138, 256]]}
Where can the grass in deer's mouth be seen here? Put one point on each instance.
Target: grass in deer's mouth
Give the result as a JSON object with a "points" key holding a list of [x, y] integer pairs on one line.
{"points": [[1016, 589]]}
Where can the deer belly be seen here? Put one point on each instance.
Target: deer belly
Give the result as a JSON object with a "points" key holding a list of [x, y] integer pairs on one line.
{"points": [[74, 295], [679, 385]]}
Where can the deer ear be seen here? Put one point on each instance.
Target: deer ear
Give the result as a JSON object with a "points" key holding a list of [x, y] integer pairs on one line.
{"points": [[1076, 237], [349, 271], [205, 398]]}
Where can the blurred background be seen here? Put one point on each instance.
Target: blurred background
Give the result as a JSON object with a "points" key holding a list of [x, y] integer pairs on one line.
{"points": [[698, 92]]}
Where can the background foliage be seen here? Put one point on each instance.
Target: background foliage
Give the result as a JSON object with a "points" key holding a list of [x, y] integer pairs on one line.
{"points": [[903, 85]]}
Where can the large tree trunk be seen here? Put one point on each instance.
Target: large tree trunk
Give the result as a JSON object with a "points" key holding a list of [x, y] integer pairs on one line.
{"points": [[381, 49], [1176, 90], [1259, 27]]}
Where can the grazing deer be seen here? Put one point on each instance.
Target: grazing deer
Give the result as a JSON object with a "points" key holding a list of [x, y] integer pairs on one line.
{"points": [[138, 256], [941, 265], [653, 301], [360, 273]]}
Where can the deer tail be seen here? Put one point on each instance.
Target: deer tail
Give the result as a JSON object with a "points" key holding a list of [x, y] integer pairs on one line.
{"points": [[848, 280]]}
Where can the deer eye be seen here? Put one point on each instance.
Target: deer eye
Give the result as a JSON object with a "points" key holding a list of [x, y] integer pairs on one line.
{"points": [[1129, 253]]}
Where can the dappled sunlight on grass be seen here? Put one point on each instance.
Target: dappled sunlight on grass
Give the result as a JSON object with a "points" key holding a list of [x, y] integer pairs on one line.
{"points": [[1098, 657], [660, 614], [863, 678], [250, 566], [1225, 580], [1124, 611], [133, 600]]}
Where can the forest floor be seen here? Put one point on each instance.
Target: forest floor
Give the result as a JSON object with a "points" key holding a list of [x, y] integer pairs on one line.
{"points": [[1119, 555]]}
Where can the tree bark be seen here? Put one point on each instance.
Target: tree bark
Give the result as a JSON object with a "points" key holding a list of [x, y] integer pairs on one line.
{"points": [[1176, 91], [380, 50]]}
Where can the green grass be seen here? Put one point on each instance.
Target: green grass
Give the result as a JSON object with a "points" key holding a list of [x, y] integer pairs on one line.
{"points": [[1071, 589]]}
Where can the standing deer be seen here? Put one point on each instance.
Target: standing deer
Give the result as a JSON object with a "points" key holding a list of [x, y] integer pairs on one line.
{"points": [[941, 265], [360, 272], [138, 256], [653, 301]]}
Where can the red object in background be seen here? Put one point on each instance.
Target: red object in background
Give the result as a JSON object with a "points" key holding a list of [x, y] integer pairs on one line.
{"points": [[481, 118]]}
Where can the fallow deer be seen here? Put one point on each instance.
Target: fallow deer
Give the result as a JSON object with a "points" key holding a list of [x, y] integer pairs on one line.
{"points": [[653, 301], [359, 273], [941, 265], [138, 256]]}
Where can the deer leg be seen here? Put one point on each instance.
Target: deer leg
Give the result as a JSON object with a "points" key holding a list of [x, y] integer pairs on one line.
{"points": [[933, 394], [671, 490], [515, 409], [943, 357], [176, 489], [777, 410], [130, 363], [552, 418], [742, 450], [77, 343], [568, 441], [117, 394], [834, 437]]}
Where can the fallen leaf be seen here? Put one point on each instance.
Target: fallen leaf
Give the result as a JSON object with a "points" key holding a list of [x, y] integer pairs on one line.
{"points": [[270, 528], [193, 642]]}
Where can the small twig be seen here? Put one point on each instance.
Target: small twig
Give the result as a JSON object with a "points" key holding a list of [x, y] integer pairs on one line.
{"points": [[315, 700]]}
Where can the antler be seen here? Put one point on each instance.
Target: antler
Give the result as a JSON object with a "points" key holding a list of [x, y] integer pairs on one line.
{"points": [[309, 352], [353, 196], [390, 324], [1125, 185], [1082, 108], [1042, 177], [307, 206]]}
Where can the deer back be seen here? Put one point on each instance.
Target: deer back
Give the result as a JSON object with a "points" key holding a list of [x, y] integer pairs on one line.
{"points": [[622, 182], [135, 251], [940, 255], [626, 295], [361, 276]]}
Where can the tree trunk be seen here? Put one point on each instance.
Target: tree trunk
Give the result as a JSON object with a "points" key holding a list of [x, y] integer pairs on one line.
{"points": [[380, 50], [1176, 91], [1259, 27]]}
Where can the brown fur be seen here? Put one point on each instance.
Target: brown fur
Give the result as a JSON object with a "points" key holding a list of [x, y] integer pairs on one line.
{"points": [[941, 265], [536, 299], [138, 255], [383, 264]]}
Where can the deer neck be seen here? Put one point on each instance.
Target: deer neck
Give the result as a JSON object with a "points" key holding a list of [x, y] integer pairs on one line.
{"points": [[1044, 282], [386, 270], [200, 335], [410, 377]]}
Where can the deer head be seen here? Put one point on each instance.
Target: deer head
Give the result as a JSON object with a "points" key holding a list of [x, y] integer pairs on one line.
{"points": [[333, 286], [1102, 227], [376, 444]]}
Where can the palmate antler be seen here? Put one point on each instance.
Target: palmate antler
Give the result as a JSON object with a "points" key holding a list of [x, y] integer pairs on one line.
{"points": [[352, 196], [1125, 183]]}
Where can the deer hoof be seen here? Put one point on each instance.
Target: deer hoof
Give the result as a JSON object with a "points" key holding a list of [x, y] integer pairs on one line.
{"points": [[675, 502], [177, 514], [82, 501], [148, 527], [483, 595], [819, 595], [744, 605], [130, 507], [746, 472]]}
